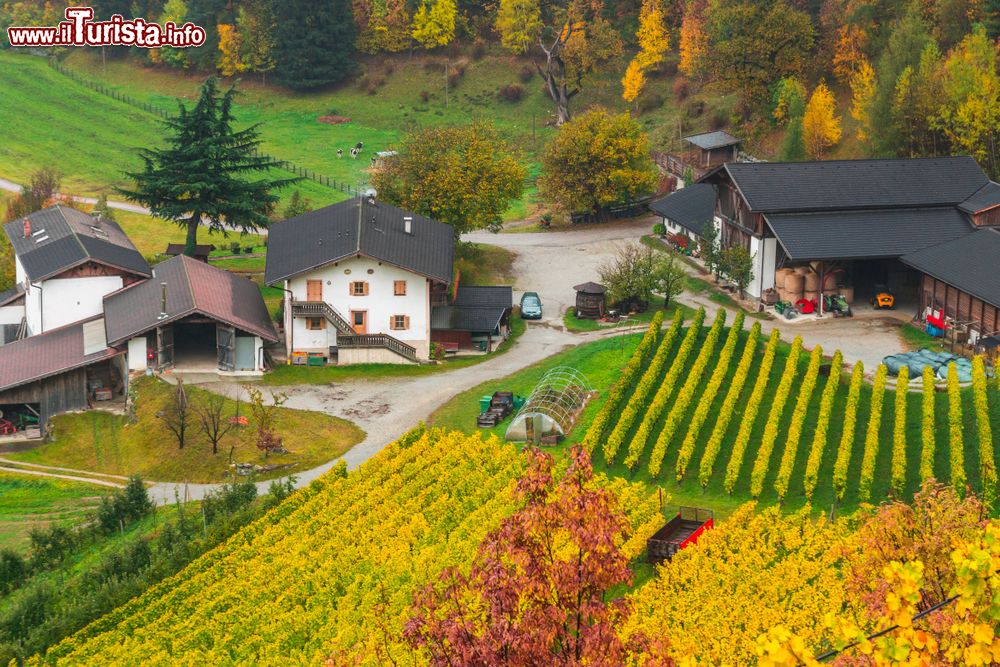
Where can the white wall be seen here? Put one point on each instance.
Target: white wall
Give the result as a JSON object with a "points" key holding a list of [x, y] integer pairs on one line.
{"points": [[137, 353], [764, 253], [11, 314], [33, 308], [380, 303], [67, 300]]}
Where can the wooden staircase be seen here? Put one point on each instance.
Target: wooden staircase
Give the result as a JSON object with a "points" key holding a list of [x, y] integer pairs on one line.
{"points": [[347, 338]]}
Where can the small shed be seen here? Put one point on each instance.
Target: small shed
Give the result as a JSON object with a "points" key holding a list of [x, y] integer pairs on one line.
{"points": [[590, 301], [201, 251]]}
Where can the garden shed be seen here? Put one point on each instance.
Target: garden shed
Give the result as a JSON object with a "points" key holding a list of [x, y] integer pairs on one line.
{"points": [[590, 301], [553, 406]]}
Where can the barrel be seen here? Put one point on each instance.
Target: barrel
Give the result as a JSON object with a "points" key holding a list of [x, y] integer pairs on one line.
{"points": [[794, 296], [812, 282], [847, 291], [780, 276], [811, 294], [803, 270], [830, 281], [795, 282]]}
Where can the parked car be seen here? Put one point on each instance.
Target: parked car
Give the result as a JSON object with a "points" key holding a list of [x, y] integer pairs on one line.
{"points": [[531, 306]]}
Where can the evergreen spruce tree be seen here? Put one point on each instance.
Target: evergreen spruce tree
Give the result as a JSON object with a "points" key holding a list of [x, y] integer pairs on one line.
{"points": [[313, 42], [203, 176]]}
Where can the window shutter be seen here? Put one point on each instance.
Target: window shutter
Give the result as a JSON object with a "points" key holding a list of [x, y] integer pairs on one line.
{"points": [[350, 289], [392, 322], [366, 288], [406, 321]]}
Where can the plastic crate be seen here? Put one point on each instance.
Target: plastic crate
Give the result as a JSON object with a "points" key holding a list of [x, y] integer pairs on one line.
{"points": [[316, 359]]}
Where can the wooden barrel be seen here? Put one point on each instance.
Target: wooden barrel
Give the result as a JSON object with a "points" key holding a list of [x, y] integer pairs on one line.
{"points": [[792, 297], [803, 270], [812, 282], [795, 282], [810, 294], [830, 281], [780, 277], [847, 291]]}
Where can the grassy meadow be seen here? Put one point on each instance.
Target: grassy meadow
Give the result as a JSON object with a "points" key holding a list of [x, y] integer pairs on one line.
{"points": [[30, 502]]}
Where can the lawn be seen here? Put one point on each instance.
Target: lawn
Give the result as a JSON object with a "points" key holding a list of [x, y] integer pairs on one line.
{"points": [[603, 361], [293, 375], [29, 501], [51, 120], [108, 443], [151, 235], [917, 339], [484, 264]]}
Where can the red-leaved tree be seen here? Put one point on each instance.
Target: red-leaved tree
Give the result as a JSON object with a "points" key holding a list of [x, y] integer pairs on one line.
{"points": [[536, 593]]}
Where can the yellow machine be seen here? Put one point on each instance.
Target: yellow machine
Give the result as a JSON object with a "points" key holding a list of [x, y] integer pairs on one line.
{"points": [[883, 299]]}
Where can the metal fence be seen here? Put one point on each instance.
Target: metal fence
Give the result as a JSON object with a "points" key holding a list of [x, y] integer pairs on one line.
{"points": [[287, 165]]}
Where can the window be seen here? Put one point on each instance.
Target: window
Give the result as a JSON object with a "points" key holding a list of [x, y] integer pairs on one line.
{"points": [[399, 322], [359, 288], [315, 323], [399, 287]]}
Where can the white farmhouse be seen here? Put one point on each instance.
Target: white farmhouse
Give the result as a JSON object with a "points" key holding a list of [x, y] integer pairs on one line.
{"points": [[361, 278], [65, 261]]}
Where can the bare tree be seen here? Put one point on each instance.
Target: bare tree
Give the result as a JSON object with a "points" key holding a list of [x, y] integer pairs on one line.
{"points": [[213, 421], [264, 414], [176, 416]]}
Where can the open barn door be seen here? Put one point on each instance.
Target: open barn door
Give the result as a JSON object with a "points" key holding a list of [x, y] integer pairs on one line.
{"points": [[164, 347], [225, 337]]}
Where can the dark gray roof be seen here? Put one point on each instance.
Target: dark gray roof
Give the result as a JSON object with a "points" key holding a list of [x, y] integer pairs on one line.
{"points": [[61, 238], [967, 263], [710, 140], [192, 287], [690, 207], [484, 296], [339, 231], [590, 288], [865, 234], [47, 354], [856, 184], [985, 197], [11, 294], [475, 320]]}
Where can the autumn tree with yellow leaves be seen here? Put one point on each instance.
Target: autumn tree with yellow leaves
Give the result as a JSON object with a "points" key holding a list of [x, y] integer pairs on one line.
{"points": [[820, 124], [434, 23], [653, 44]]}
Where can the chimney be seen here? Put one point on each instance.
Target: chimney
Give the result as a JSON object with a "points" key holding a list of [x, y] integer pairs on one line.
{"points": [[27, 228], [163, 301], [408, 224]]}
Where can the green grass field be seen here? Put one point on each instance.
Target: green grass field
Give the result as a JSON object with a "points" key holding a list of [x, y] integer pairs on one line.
{"points": [[28, 502], [107, 443], [602, 362]]}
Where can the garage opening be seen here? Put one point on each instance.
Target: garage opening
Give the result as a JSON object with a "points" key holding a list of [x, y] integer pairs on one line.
{"points": [[19, 421], [195, 345], [871, 276], [106, 384]]}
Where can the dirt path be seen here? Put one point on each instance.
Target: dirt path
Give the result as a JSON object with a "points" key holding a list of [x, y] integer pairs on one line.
{"points": [[47, 471]]}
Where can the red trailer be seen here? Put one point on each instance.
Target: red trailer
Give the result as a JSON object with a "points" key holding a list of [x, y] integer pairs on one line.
{"points": [[682, 530]]}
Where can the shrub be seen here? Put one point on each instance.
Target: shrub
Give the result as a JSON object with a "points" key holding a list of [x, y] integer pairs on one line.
{"points": [[659, 229], [228, 499], [617, 392], [847, 436], [454, 76], [12, 570], [648, 380], [763, 460], [872, 434], [729, 402], [823, 424], [649, 101], [927, 424], [50, 545], [898, 478], [694, 108], [512, 92], [956, 442], [526, 74], [686, 394], [798, 422], [708, 397], [659, 402], [750, 413], [681, 88], [980, 403], [234, 247], [478, 49]]}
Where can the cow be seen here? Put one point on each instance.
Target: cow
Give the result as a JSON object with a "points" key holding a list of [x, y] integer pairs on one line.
{"points": [[340, 153], [354, 153]]}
